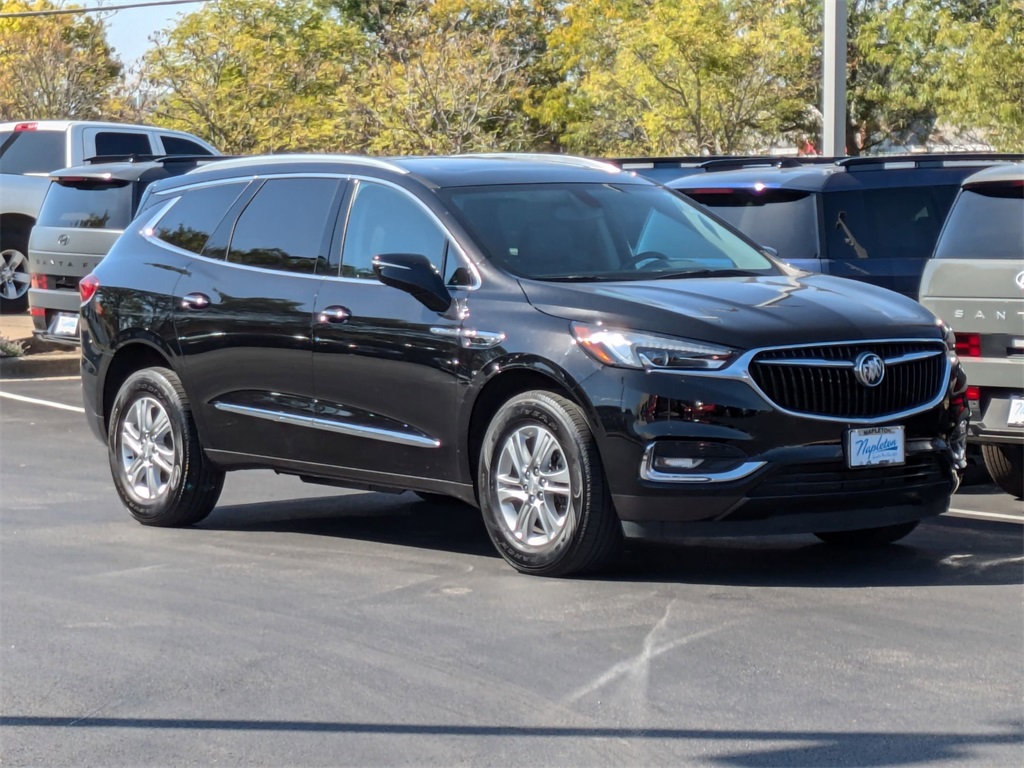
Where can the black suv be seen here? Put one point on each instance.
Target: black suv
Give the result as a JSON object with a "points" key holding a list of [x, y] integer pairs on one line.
{"points": [[874, 219], [578, 351]]}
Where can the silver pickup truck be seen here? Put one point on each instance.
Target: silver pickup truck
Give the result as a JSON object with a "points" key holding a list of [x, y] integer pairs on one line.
{"points": [[975, 282], [30, 150]]}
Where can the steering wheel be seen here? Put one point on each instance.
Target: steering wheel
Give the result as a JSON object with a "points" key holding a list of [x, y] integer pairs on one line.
{"points": [[645, 259]]}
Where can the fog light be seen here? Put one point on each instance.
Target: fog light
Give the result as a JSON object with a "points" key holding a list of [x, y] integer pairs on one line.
{"points": [[685, 458], [668, 463]]}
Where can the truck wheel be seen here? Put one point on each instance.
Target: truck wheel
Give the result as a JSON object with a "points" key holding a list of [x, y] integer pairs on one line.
{"points": [[159, 468], [542, 489], [1005, 463], [868, 537], [14, 279]]}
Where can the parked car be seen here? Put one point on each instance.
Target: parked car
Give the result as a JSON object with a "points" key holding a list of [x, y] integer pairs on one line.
{"points": [[85, 210], [874, 219], [582, 353], [976, 282], [30, 150]]}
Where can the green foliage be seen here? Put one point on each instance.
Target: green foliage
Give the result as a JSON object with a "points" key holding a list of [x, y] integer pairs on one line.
{"points": [[54, 67], [9, 348]]}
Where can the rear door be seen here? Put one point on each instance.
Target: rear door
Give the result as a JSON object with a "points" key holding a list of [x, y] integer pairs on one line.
{"points": [[244, 317]]}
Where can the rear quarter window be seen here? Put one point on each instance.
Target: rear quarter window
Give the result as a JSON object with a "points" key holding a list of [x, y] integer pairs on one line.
{"points": [[175, 145], [117, 143], [986, 222], [87, 206], [31, 151], [195, 215]]}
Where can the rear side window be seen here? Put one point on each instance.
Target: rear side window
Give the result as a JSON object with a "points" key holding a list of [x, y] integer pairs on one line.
{"points": [[118, 143], [784, 219], [193, 218], [175, 145], [894, 223], [285, 227], [87, 206], [987, 222], [31, 151]]}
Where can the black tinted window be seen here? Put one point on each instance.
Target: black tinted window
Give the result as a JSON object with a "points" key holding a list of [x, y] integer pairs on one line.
{"points": [[987, 222], [174, 145], [896, 223], [31, 151], [386, 220], [786, 220], [117, 143], [87, 205], [192, 219], [285, 226]]}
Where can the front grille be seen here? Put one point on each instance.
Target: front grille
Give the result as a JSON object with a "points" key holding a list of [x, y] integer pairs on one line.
{"points": [[815, 388]]}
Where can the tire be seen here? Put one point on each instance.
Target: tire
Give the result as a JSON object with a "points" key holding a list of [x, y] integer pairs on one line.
{"points": [[159, 468], [14, 279], [1005, 463], [868, 537], [538, 530]]}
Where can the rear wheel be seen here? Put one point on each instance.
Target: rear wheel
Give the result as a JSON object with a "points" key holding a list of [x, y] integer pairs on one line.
{"points": [[868, 537], [542, 488], [1005, 463], [159, 468], [14, 278]]}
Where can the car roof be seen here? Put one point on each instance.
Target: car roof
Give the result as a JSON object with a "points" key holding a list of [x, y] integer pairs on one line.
{"points": [[1009, 172], [63, 125], [440, 171]]}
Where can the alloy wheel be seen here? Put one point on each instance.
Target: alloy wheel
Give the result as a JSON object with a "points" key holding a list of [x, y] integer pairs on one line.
{"points": [[14, 278], [148, 451]]}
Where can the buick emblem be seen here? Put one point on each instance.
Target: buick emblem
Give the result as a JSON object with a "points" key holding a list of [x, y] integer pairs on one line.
{"points": [[1020, 280], [869, 369], [63, 240]]}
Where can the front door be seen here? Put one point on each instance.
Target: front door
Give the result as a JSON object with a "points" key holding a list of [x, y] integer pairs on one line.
{"points": [[385, 367]]}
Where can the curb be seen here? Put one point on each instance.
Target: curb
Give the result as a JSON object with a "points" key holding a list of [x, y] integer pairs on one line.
{"points": [[44, 364]]}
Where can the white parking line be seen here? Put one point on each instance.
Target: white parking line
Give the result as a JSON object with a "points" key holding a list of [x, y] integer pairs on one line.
{"points": [[34, 379], [49, 403], [996, 517]]}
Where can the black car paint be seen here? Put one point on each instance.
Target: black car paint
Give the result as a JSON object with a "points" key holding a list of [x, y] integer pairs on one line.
{"points": [[261, 344]]}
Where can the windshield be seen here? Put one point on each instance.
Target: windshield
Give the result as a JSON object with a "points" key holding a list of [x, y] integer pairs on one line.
{"points": [[987, 222], [593, 231], [783, 219]]}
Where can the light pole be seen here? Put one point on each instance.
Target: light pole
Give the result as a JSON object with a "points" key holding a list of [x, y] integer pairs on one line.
{"points": [[833, 127]]}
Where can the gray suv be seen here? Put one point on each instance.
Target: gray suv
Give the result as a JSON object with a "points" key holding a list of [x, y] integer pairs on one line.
{"points": [[85, 210], [975, 282]]}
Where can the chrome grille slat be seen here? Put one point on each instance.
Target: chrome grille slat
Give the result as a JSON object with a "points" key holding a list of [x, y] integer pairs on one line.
{"points": [[795, 379]]}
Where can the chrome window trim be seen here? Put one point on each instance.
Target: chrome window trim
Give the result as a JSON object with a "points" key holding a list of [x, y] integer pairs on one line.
{"points": [[329, 425], [740, 371], [177, 190], [648, 472]]}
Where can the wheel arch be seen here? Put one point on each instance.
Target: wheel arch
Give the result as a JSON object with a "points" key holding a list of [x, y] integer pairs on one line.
{"points": [[18, 222], [130, 357]]}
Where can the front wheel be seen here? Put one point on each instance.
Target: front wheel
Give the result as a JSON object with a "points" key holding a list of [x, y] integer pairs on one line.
{"points": [[159, 468], [542, 488], [14, 277], [1005, 463], [868, 537]]}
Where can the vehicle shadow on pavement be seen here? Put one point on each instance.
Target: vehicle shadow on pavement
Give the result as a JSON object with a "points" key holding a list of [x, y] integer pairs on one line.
{"points": [[944, 551], [802, 748], [399, 519]]}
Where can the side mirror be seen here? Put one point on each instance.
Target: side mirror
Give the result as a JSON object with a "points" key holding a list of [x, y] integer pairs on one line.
{"points": [[414, 274], [773, 252]]}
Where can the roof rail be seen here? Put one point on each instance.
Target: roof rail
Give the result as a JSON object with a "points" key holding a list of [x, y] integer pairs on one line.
{"points": [[719, 162], [141, 158], [925, 160], [552, 157]]}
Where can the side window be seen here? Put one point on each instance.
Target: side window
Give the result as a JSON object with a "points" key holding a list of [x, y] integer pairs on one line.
{"points": [[192, 219], [175, 145], [386, 220], [285, 226], [118, 143]]}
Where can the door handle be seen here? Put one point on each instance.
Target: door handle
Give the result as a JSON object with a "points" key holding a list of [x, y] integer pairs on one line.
{"points": [[195, 301], [333, 314]]}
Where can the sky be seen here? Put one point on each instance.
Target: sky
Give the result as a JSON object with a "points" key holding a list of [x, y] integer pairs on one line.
{"points": [[129, 30]]}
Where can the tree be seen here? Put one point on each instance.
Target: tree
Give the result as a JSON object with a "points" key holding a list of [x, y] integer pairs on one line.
{"points": [[678, 76], [54, 67], [262, 76]]}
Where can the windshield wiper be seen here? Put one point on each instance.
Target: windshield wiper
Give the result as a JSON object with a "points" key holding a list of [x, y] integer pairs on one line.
{"points": [[704, 273]]}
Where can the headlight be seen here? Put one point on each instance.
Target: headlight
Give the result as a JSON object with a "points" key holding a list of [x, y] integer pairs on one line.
{"points": [[631, 349]]}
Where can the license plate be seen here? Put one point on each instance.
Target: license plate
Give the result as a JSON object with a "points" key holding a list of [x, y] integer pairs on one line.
{"points": [[66, 325], [1016, 415], [873, 446]]}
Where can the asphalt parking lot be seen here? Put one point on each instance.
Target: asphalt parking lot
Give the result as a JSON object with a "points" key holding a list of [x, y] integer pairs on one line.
{"points": [[310, 626]]}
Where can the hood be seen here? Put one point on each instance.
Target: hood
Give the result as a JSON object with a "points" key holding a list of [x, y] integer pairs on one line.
{"points": [[741, 312]]}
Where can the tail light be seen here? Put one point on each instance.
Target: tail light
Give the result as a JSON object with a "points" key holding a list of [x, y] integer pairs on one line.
{"points": [[968, 344], [38, 281], [973, 393], [37, 311], [87, 287]]}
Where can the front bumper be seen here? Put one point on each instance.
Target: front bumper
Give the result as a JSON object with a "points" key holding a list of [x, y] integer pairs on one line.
{"points": [[793, 475]]}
